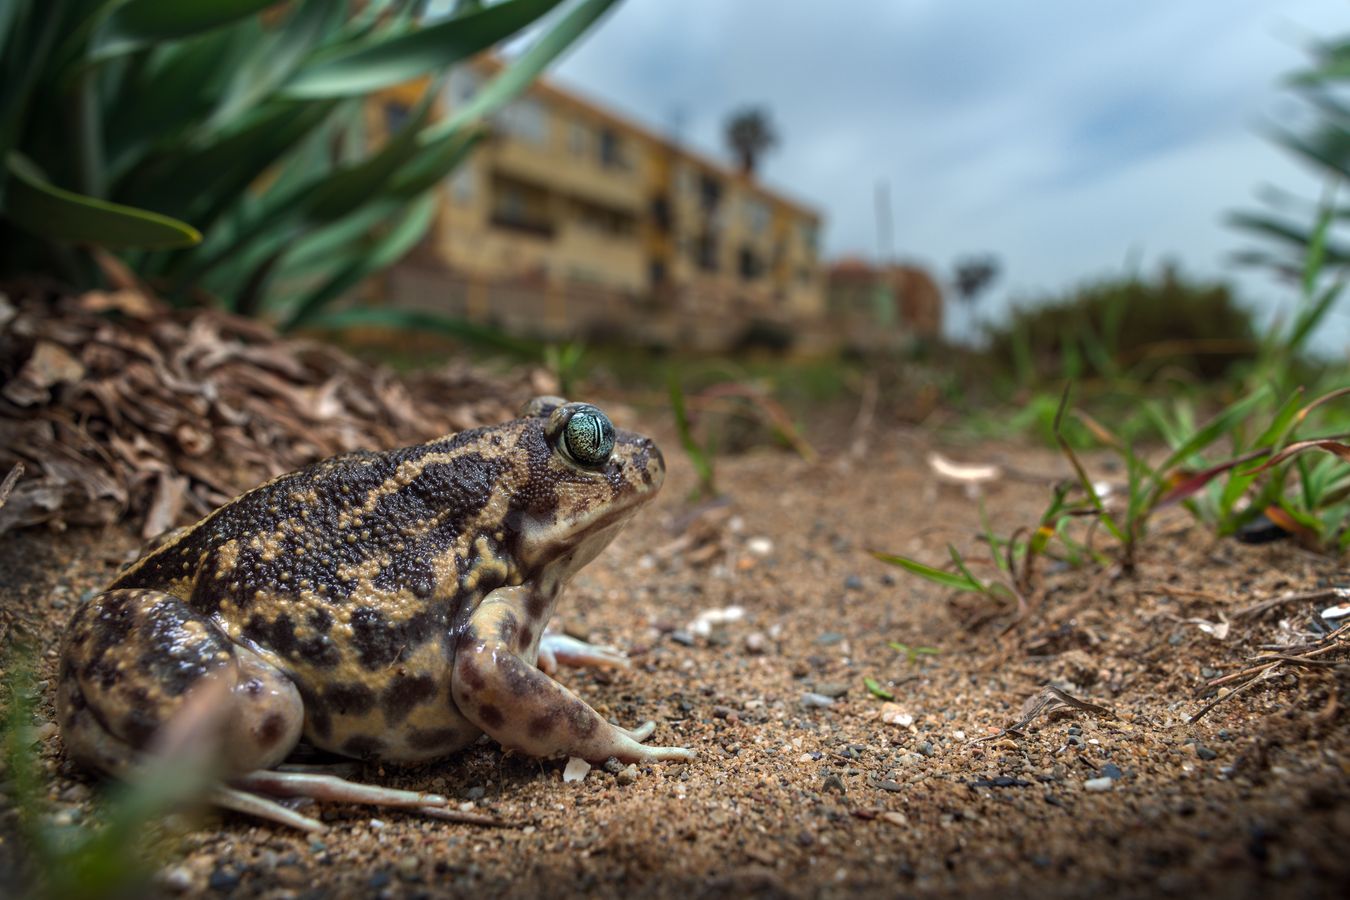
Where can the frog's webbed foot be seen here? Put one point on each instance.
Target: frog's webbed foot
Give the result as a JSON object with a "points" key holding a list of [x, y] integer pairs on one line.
{"points": [[560, 649], [497, 687], [250, 793]]}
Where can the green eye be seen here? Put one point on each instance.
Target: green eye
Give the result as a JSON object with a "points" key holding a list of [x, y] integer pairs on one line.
{"points": [[588, 436]]}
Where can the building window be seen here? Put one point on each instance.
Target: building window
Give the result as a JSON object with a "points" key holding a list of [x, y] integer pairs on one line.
{"points": [[579, 139], [705, 252], [751, 266], [461, 87], [710, 192], [462, 184], [524, 119], [395, 116], [756, 214], [611, 150], [809, 237], [661, 213]]}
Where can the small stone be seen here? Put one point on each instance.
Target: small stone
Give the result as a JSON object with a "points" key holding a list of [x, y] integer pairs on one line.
{"points": [[756, 644], [409, 868], [613, 766], [895, 818], [682, 637], [1224, 734], [759, 546], [1205, 753], [1098, 784], [477, 792], [894, 714], [576, 769], [177, 879], [888, 785], [853, 583], [223, 878], [829, 638], [834, 783], [926, 748], [832, 689], [1112, 771], [378, 881], [627, 775], [816, 701]]}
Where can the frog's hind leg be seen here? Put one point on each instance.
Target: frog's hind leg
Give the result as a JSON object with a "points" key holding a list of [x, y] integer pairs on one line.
{"points": [[497, 686], [132, 662]]}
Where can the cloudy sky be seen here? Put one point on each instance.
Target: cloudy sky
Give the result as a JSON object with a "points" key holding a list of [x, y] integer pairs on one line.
{"points": [[1064, 136]]}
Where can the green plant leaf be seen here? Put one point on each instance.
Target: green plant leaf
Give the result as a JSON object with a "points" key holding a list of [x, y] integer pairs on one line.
{"points": [[876, 690], [1216, 428], [140, 23], [394, 60], [417, 320], [387, 250], [963, 582], [38, 206]]}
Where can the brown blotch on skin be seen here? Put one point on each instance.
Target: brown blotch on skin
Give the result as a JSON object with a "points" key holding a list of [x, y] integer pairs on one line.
{"points": [[542, 726], [490, 715], [536, 604], [403, 693], [469, 674], [349, 699], [271, 730], [582, 720], [526, 636], [432, 738]]}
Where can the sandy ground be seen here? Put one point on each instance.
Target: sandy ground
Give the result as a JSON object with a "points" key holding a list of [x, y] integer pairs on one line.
{"points": [[791, 798]]}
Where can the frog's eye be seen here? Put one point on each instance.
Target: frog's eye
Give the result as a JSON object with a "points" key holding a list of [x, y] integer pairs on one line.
{"points": [[587, 436]]}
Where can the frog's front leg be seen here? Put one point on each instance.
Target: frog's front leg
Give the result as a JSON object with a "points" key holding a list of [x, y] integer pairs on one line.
{"points": [[497, 686]]}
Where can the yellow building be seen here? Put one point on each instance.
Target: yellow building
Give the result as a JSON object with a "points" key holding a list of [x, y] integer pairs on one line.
{"points": [[570, 220]]}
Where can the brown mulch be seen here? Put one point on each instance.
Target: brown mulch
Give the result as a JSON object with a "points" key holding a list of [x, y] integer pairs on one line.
{"points": [[121, 408]]}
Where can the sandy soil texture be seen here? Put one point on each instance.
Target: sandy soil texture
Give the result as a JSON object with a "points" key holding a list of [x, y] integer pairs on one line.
{"points": [[807, 784]]}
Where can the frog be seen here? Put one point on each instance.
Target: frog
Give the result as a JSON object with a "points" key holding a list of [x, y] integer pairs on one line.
{"points": [[385, 606]]}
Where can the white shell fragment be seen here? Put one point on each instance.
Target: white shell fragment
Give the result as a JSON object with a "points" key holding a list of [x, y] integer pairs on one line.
{"points": [[1336, 612], [576, 769], [702, 626]]}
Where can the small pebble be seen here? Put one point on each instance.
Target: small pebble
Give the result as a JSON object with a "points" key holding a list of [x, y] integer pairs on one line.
{"points": [[378, 880], [223, 878], [834, 783], [409, 868], [1112, 771], [1205, 753], [829, 637], [853, 583], [177, 879], [832, 688], [1099, 784], [627, 775], [682, 637], [477, 792], [575, 769], [756, 644], [759, 546], [816, 701], [613, 766]]}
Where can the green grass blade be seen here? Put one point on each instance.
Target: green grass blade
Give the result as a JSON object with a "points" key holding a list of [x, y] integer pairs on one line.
{"points": [[876, 690], [394, 60], [938, 576], [38, 206], [1216, 428]]}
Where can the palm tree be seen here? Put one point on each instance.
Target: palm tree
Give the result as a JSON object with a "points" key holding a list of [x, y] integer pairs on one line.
{"points": [[750, 133]]}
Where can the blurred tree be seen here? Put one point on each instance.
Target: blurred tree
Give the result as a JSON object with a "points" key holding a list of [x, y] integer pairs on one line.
{"points": [[750, 134], [1320, 136], [972, 275]]}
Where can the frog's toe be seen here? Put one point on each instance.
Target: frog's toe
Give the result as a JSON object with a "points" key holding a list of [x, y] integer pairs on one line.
{"points": [[560, 649], [251, 794]]}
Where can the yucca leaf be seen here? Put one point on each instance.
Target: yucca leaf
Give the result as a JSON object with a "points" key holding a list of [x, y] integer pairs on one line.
{"points": [[140, 23], [387, 250], [38, 206], [418, 320], [403, 57]]}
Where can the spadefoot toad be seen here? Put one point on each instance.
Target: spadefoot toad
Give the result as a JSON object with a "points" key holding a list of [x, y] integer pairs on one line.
{"points": [[385, 606]]}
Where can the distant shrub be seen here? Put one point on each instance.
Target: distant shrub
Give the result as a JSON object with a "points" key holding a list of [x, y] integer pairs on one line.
{"points": [[1127, 327]]}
